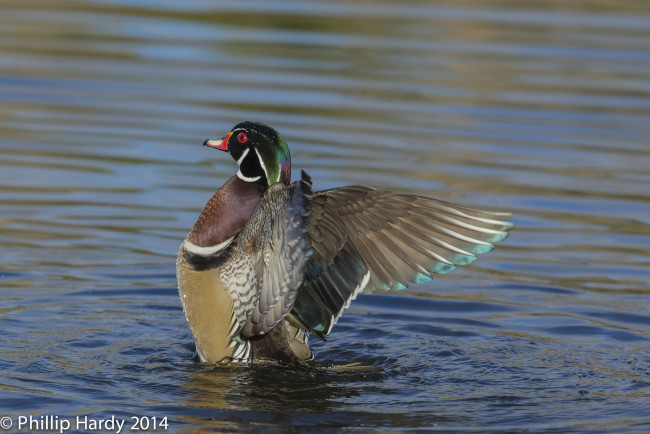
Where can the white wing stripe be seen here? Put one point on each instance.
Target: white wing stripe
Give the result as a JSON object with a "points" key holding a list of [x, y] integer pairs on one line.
{"points": [[358, 290]]}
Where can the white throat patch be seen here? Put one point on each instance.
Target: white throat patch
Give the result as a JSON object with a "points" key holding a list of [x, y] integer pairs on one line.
{"points": [[241, 159]]}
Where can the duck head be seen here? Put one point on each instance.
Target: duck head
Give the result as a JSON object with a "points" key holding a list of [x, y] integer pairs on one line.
{"points": [[260, 152]]}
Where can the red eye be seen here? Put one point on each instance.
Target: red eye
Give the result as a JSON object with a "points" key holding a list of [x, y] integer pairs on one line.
{"points": [[241, 138]]}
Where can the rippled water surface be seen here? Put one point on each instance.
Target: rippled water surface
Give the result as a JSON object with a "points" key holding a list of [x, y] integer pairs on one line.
{"points": [[541, 108]]}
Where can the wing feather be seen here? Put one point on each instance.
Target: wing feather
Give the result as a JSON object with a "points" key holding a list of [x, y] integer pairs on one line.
{"points": [[367, 240], [270, 258]]}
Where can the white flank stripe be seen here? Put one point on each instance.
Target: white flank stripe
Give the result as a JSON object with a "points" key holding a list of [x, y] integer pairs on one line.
{"points": [[201, 356], [242, 352], [205, 251]]}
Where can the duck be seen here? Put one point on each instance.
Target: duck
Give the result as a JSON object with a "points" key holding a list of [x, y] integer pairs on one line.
{"points": [[270, 262]]}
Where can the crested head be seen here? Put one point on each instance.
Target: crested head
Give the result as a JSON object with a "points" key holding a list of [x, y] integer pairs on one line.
{"points": [[261, 153]]}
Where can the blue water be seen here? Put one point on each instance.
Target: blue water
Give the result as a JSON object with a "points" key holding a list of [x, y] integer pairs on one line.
{"points": [[539, 108]]}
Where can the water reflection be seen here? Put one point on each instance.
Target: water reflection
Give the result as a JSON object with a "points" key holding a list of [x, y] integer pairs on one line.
{"points": [[269, 397]]}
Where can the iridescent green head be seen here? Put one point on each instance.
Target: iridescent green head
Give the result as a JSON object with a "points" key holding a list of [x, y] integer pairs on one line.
{"points": [[260, 152]]}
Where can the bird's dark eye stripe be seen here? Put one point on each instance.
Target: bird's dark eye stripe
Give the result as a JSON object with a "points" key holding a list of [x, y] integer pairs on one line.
{"points": [[241, 138]]}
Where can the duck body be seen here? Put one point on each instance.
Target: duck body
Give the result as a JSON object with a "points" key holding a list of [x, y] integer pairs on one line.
{"points": [[268, 260]]}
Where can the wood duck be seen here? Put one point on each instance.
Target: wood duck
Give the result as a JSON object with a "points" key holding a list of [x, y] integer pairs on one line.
{"points": [[269, 260]]}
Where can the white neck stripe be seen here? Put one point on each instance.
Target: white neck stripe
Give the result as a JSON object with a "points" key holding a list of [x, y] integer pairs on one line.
{"points": [[243, 155], [259, 157], [210, 250]]}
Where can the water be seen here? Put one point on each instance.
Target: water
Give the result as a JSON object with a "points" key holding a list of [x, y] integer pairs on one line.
{"points": [[540, 108]]}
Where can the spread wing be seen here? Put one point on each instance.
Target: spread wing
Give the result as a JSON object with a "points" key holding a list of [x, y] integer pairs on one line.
{"points": [[365, 240], [268, 265]]}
